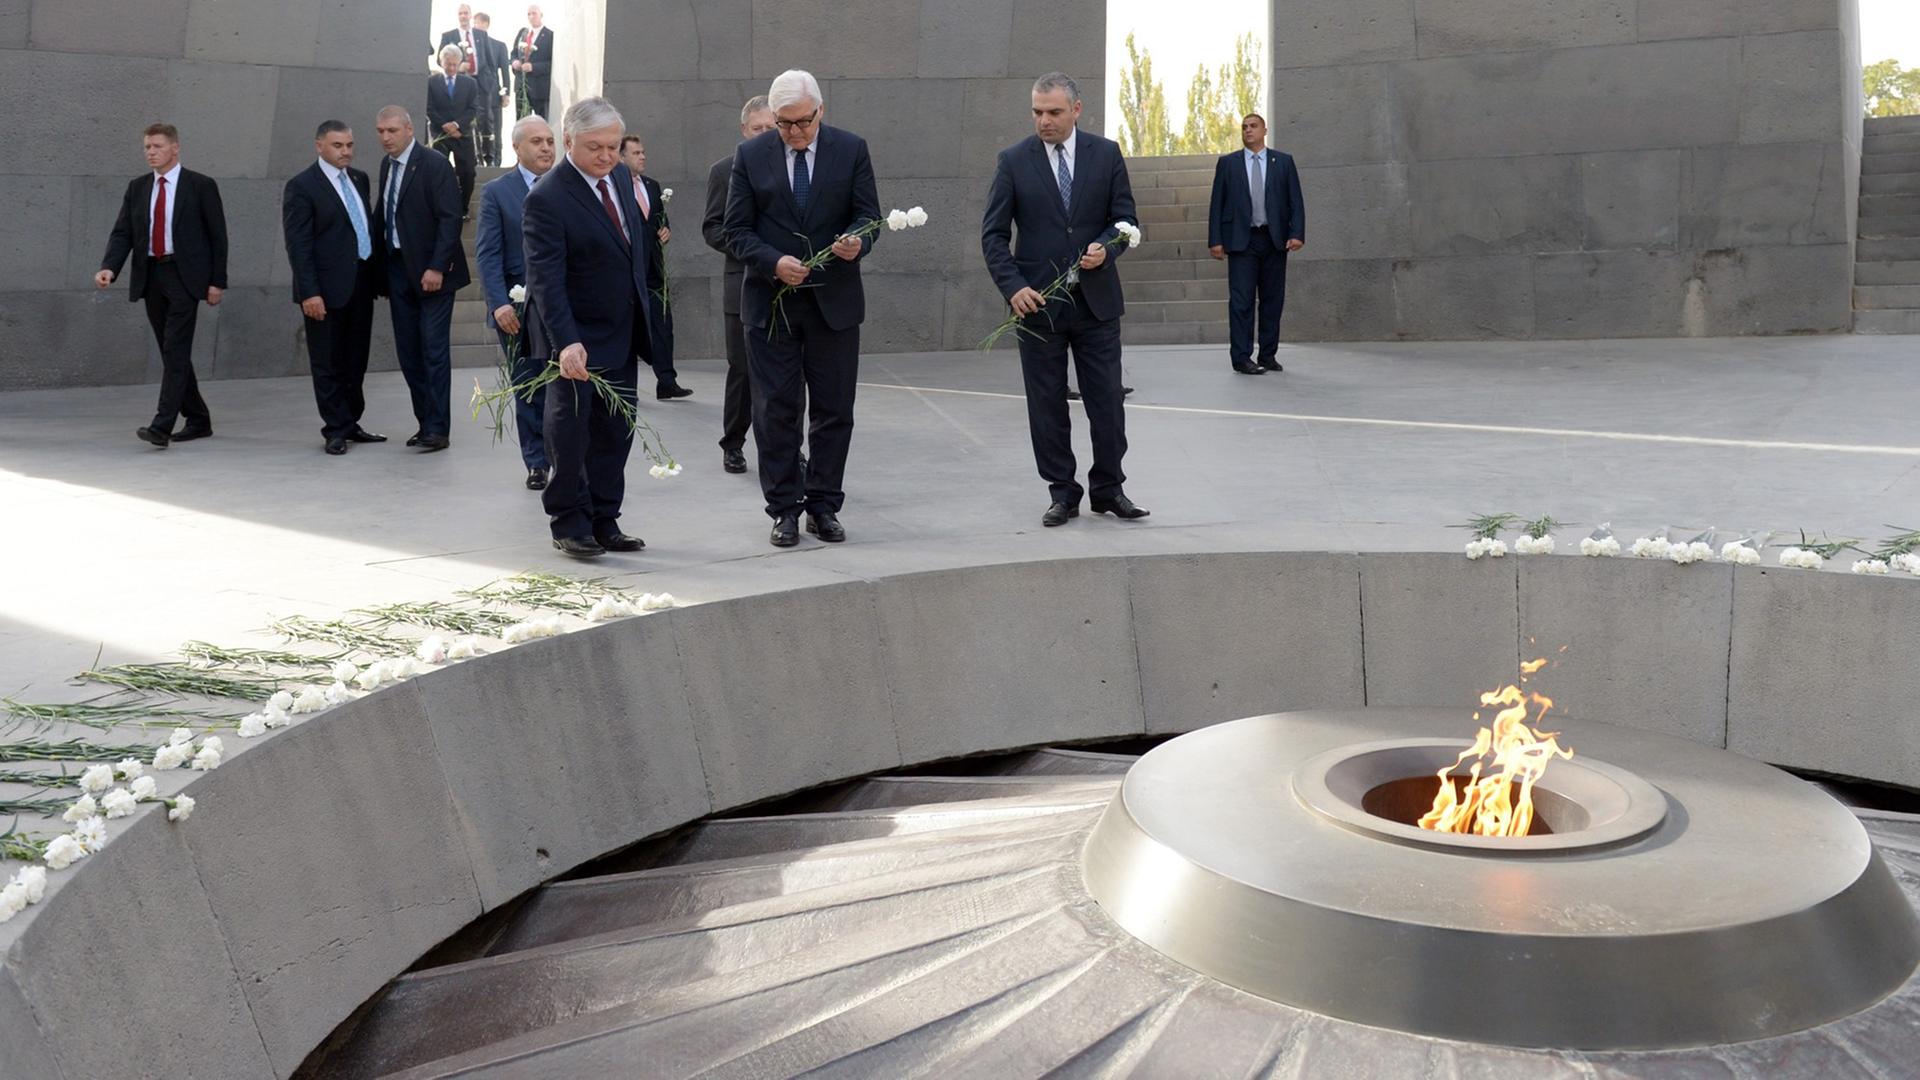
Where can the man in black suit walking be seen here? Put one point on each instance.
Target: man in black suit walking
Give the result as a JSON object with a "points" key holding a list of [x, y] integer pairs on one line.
{"points": [[736, 415], [495, 87], [336, 268], [795, 191], [1255, 236], [587, 310], [453, 103], [1065, 190], [532, 60], [476, 60], [417, 219], [173, 225], [652, 199]]}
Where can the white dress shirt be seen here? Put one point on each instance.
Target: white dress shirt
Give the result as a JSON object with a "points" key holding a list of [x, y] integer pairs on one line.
{"points": [[397, 178], [333, 181], [813, 161], [1247, 158], [172, 177], [1053, 158]]}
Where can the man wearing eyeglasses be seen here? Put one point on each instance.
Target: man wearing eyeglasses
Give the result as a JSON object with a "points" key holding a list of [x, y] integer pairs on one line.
{"points": [[794, 191]]}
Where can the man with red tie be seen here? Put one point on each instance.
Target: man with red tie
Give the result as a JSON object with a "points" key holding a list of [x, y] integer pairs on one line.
{"points": [[173, 225], [653, 211]]}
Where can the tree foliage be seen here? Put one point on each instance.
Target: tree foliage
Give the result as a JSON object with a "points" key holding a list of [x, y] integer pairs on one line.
{"points": [[1216, 100], [1890, 89]]}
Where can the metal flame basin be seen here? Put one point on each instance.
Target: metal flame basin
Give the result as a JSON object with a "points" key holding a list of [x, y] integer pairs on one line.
{"points": [[1686, 896]]}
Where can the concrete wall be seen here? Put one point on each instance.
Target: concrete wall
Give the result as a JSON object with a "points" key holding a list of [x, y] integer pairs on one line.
{"points": [[248, 933], [1570, 168]]}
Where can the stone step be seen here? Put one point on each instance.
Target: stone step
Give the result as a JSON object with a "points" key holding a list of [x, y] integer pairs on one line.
{"points": [[1871, 297], [1167, 333], [1178, 232], [1890, 184], [1175, 311], [1175, 178], [1172, 269], [474, 356], [1892, 125], [1179, 251], [1889, 205], [1180, 213], [1153, 292], [1891, 143], [1879, 273], [1886, 322], [1876, 250], [1875, 164], [1879, 227], [1171, 163]]}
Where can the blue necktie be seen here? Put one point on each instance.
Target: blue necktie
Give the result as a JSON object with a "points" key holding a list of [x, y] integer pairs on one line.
{"points": [[1257, 188], [393, 201], [363, 243], [449, 88], [1066, 181], [802, 185]]}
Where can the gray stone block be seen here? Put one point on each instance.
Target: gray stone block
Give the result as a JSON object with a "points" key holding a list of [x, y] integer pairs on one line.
{"points": [[1614, 294], [561, 750], [1466, 298], [225, 114], [1338, 115], [345, 42], [967, 41], [1844, 707], [256, 334], [310, 95], [119, 92], [1062, 35], [1317, 33], [1440, 630], [16, 23], [904, 312], [1659, 20], [76, 338], [23, 1049], [1497, 205], [949, 243], [970, 308], [256, 244], [1012, 655], [871, 108], [852, 39], [651, 39], [1777, 290], [1631, 199], [1501, 104], [1645, 641], [1225, 636], [770, 672], [1456, 27], [106, 26], [1357, 211], [725, 29], [316, 926], [268, 34], [1339, 300], [1778, 16], [1787, 193], [94, 207], [1789, 87], [34, 233], [996, 113]]}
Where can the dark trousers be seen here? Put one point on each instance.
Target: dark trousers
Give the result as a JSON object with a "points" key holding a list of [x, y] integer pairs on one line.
{"points": [[530, 411], [462, 151], [1096, 360], [486, 145], [537, 98], [736, 415], [805, 365], [173, 311], [662, 330], [337, 355], [1257, 276], [588, 443], [423, 343]]}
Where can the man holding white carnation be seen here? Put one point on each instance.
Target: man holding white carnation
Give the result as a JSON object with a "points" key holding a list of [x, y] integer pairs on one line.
{"points": [[503, 276]]}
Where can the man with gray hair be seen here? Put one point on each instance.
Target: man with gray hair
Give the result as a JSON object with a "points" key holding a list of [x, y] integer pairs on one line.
{"points": [[417, 220], [503, 267], [453, 104], [737, 414], [799, 189], [587, 310]]}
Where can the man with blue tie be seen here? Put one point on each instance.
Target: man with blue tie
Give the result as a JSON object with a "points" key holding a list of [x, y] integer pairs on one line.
{"points": [[418, 221], [453, 109], [502, 266], [1254, 235], [336, 271]]}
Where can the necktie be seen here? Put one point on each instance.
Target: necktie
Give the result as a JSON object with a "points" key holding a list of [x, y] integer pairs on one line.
{"points": [[1066, 181], [393, 202], [802, 184], [363, 244], [1258, 189], [449, 88], [640, 196], [160, 218], [471, 58], [606, 200]]}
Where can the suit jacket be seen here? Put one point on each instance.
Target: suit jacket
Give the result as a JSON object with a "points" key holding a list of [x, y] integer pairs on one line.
{"points": [[764, 222], [540, 79], [1230, 210], [656, 251], [482, 51], [584, 286], [460, 107], [498, 249], [713, 228], [1026, 195], [199, 234], [429, 216], [321, 246]]}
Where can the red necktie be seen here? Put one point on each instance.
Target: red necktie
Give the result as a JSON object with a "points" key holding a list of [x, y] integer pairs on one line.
{"points": [[606, 200], [471, 58], [640, 196], [160, 218]]}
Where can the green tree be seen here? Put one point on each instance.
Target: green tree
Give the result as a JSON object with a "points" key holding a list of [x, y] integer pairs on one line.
{"points": [[1143, 108], [1891, 90], [1216, 100]]}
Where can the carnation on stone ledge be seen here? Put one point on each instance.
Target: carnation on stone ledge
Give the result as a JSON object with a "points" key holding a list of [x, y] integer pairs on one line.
{"points": [[209, 755], [96, 779], [1604, 547], [311, 699], [1696, 551], [1870, 566], [144, 787], [1801, 559], [180, 808], [1533, 545], [118, 803], [1907, 561], [464, 648], [1740, 554], [63, 852], [1486, 548], [172, 756], [1651, 547]]}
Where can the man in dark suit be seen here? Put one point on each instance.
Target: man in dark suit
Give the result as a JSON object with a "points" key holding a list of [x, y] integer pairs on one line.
{"points": [[496, 88], [417, 219], [797, 190], [532, 61], [587, 310], [1065, 189], [173, 225], [476, 60], [737, 413], [453, 102], [336, 270], [653, 213], [1254, 236], [502, 267]]}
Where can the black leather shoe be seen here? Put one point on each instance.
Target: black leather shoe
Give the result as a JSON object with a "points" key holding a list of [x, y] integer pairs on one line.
{"points": [[360, 434], [620, 542], [786, 531], [158, 439], [336, 447], [414, 439], [1119, 506], [1270, 364], [1058, 513], [578, 547], [826, 526], [733, 461], [188, 434], [536, 479], [667, 391], [1250, 369], [1126, 391], [430, 443]]}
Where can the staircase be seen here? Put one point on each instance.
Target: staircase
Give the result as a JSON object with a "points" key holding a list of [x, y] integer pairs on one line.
{"points": [[473, 342], [1176, 292], [1886, 278]]}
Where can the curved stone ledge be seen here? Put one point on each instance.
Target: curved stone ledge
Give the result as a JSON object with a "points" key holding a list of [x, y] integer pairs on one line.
{"points": [[327, 857]]}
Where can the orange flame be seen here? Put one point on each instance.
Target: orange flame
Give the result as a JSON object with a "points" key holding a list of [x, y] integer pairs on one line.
{"points": [[1516, 755]]}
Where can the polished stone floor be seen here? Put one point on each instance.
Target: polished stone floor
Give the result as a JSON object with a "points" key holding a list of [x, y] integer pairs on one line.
{"points": [[112, 549]]}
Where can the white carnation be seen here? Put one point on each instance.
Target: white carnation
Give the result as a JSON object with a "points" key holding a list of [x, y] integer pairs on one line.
{"points": [[375, 674], [517, 294], [172, 756], [180, 737], [916, 217], [34, 880], [1651, 547], [337, 694], [1739, 554], [610, 607], [1908, 562], [1486, 548], [253, 725], [118, 803], [1870, 566], [344, 671], [96, 779], [82, 809], [1801, 559], [144, 787], [281, 700], [13, 900], [540, 626], [1533, 545], [182, 808], [433, 650], [1684, 553], [896, 220], [130, 769], [651, 602], [666, 195], [463, 648], [1606, 547], [92, 834], [275, 717], [64, 852], [209, 755]]}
